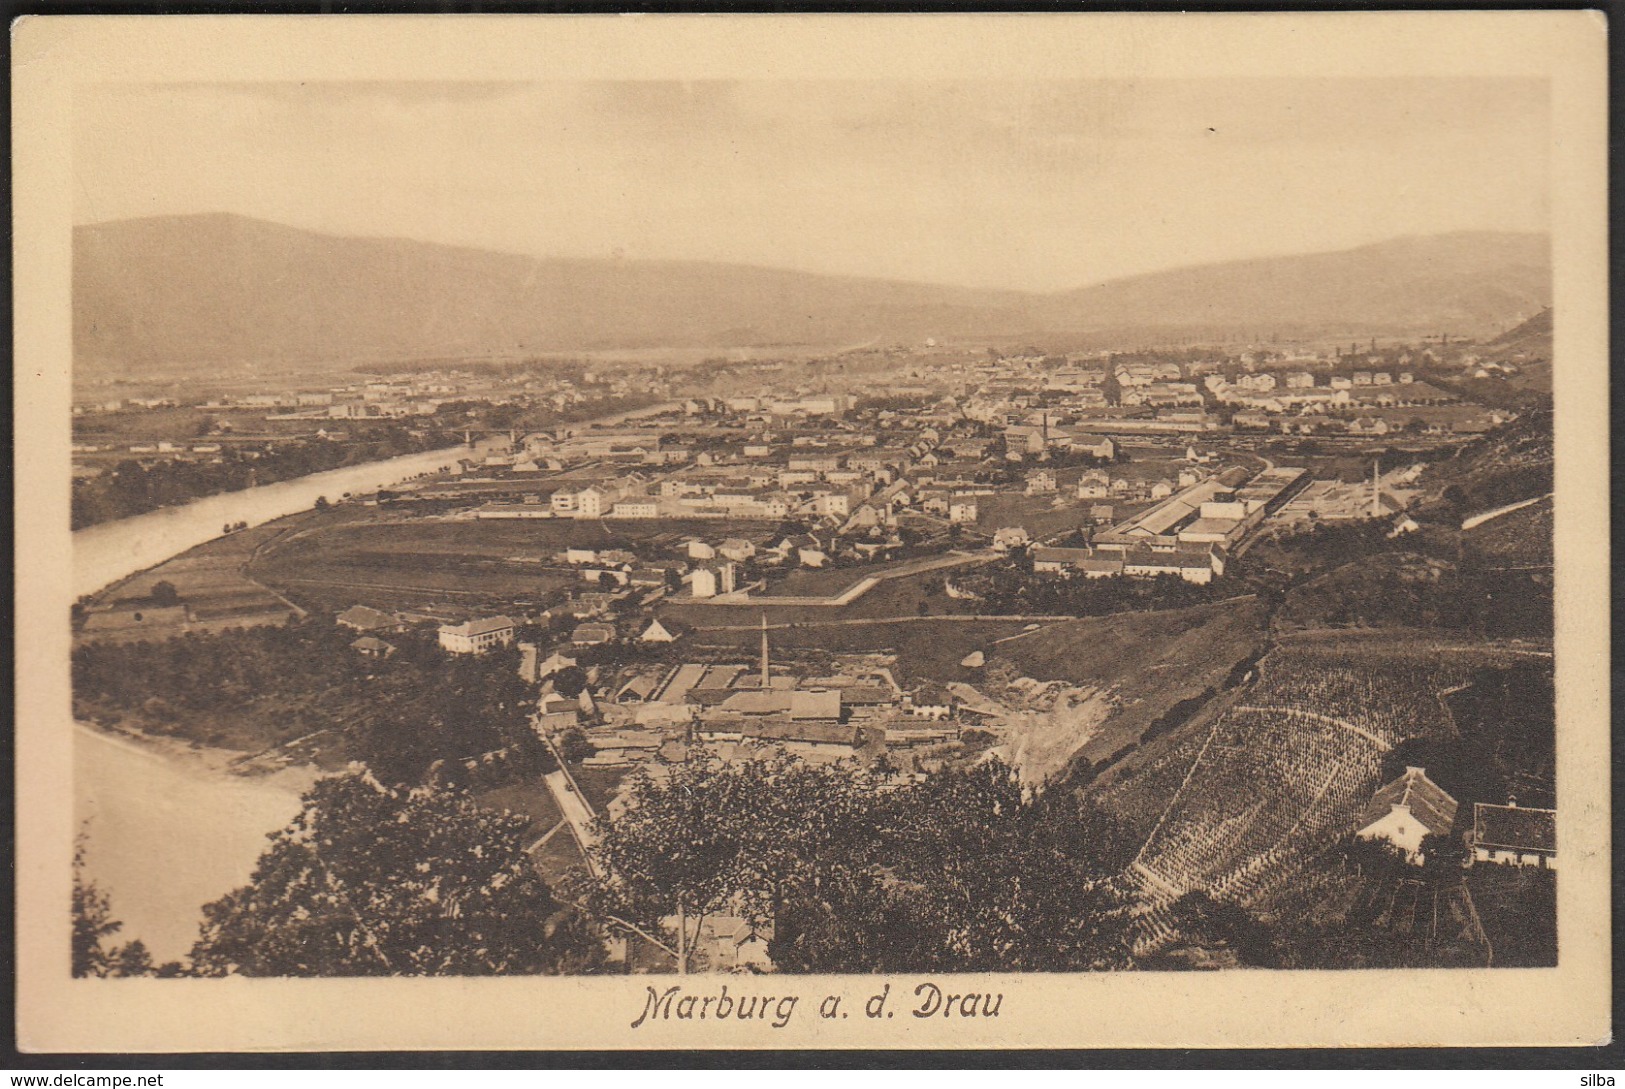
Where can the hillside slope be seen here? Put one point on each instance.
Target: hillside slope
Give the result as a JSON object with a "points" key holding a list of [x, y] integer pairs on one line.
{"points": [[1469, 283], [194, 294]]}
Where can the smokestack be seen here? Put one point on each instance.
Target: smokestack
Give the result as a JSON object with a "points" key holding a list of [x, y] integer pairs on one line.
{"points": [[1376, 490], [765, 671]]}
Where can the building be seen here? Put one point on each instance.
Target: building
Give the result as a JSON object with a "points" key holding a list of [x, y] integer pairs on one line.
{"points": [[592, 635], [1511, 835], [371, 647], [365, 619], [1041, 482], [1057, 560], [1407, 810], [702, 582], [1010, 537], [962, 511], [661, 631], [477, 636]]}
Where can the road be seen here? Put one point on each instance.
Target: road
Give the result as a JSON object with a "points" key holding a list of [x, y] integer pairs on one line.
{"points": [[574, 806], [1490, 515]]}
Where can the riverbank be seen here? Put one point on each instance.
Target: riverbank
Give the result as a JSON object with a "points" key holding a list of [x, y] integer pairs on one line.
{"points": [[171, 828]]}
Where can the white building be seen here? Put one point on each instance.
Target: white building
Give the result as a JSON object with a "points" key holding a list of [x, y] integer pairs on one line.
{"points": [[1406, 810], [477, 636]]}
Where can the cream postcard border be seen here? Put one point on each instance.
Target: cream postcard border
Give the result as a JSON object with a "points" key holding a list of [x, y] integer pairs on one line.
{"points": [[1568, 1005]]}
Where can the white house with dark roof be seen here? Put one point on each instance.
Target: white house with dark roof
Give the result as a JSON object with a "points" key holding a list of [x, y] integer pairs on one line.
{"points": [[478, 635], [1514, 835], [1406, 810]]}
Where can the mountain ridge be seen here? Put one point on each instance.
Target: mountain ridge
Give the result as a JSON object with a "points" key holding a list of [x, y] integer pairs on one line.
{"points": [[178, 294]]}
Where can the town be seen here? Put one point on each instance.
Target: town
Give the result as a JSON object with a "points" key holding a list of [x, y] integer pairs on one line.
{"points": [[1141, 578]]}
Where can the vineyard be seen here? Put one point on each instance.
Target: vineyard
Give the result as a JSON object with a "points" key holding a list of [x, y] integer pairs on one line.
{"points": [[1242, 805]]}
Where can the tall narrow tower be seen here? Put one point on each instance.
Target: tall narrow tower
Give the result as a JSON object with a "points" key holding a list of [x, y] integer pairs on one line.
{"points": [[765, 671], [1376, 490]]}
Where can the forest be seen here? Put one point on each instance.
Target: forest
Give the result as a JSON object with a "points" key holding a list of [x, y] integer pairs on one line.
{"points": [[260, 688]]}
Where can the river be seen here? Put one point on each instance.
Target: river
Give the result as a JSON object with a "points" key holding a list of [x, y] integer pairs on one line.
{"points": [[168, 833], [109, 551]]}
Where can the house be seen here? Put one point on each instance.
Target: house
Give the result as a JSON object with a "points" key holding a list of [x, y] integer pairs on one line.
{"points": [[592, 635], [1041, 482], [1104, 449], [1010, 537], [370, 647], [661, 631], [1406, 810], [365, 619], [727, 943], [1511, 835], [639, 689], [552, 664], [736, 548], [962, 511], [700, 550], [478, 635], [580, 555], [1056, 560], [1093, 486], [702, 582], [1101, 514], [812, 557]]}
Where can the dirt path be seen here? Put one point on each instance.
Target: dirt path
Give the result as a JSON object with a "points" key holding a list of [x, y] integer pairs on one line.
{"points": [[1490, 515]]}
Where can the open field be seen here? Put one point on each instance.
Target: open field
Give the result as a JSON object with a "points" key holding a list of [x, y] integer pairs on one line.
{"points": [[895, 597], [530, 800], [211, 580], [1037, 513], [402, 563], [182, 425]]}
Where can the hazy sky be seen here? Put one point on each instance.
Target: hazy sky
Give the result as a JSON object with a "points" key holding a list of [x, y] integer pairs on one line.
{"points": [[1038, 185]]}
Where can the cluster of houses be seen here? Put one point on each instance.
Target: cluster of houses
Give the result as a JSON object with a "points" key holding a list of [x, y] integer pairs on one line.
{"points": [[1189, 534], [1409, 809], [637, 714]]}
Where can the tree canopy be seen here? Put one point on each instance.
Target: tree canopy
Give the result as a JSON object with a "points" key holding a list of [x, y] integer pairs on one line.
{"points": [[378, 880], [968, 871]]}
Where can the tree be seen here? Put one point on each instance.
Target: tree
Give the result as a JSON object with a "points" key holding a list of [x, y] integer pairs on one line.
{"points": [[969, 871], [92, 923], [164, 593], [713, 839], [574, 745], [570, 681], [374, 880]]}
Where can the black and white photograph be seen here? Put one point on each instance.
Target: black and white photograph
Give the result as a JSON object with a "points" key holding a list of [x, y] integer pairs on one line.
{"points": [[705, 534]]}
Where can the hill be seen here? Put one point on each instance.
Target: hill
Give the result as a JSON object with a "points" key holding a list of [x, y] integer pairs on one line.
{"points": [[1467, 283], [178, 295]]}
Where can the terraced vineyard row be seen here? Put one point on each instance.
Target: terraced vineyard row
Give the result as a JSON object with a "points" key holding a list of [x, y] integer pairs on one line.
{"points": [[1270, 786], [1284, 773]]}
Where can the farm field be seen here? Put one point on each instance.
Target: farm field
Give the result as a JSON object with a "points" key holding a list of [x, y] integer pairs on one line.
{"points": [[211, 579], [417, 563]]}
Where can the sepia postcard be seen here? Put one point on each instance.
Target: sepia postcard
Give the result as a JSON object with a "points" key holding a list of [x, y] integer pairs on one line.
{"points": [[849, 532]]}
